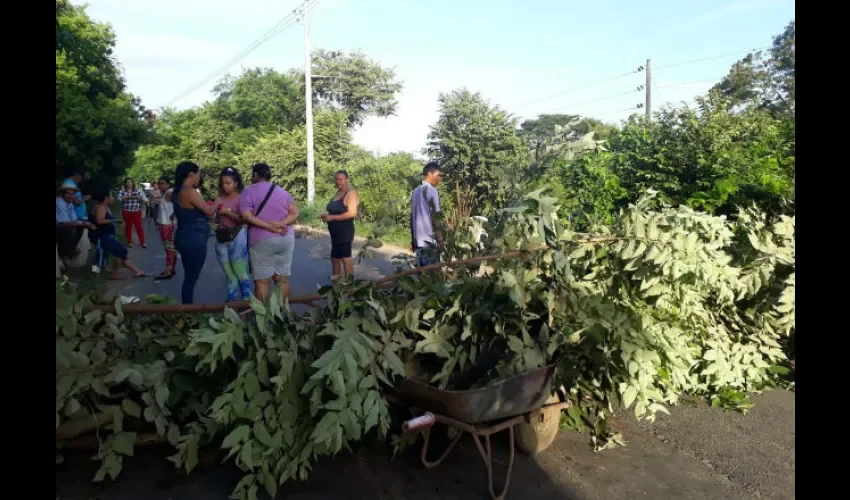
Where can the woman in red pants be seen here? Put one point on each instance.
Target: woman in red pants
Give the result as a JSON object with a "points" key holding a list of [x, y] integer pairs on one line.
{"points": [[133, 204]]}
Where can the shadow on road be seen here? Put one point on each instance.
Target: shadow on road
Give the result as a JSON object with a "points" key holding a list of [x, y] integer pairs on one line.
{"points": [[348, 476]]}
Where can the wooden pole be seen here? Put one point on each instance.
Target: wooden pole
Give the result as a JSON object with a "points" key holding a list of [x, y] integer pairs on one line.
{"points": [[385, 282]]}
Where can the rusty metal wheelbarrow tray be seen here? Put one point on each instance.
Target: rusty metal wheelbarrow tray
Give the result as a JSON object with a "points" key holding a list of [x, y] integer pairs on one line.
{"points": [[479, 413], [504, 399]]}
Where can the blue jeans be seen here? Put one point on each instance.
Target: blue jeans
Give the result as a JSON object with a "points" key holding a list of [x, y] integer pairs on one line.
{"points": [[192, 247]]}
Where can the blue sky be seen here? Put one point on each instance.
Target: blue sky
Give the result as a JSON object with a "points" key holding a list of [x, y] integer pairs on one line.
{"points": [[511, 51]]}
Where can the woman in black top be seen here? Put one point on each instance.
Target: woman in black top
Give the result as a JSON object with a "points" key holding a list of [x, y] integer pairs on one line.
{"points": [[342, 210]]}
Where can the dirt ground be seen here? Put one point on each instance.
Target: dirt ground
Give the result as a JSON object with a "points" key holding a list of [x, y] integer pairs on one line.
{"points": [[695, 453]]}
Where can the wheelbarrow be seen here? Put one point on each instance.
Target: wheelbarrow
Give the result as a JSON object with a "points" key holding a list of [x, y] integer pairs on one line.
{"points": [[524, 402]]}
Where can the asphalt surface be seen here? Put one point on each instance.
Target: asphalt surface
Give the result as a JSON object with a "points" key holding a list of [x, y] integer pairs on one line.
{"points": [[311, 268], [696, 453]]}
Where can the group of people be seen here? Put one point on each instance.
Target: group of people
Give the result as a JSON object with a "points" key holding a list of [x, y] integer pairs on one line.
{"points": [[253, 226], [77, 226]]}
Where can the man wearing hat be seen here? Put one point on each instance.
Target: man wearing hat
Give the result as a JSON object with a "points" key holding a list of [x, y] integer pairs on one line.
{"points": [[69, 228]]}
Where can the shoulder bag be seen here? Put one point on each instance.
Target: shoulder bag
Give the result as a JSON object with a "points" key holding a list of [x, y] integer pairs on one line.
{"points": [[225, 234]]}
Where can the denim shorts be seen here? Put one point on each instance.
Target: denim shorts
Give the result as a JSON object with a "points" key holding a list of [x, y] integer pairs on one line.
{"points": [[426, 256]]}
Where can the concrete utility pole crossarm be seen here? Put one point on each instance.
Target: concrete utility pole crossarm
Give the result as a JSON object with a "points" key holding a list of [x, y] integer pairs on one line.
{"points": [[308, 98]]}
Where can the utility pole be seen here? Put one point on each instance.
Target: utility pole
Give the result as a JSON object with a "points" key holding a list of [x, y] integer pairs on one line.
{"points": [[648, 89], [308, 98]]}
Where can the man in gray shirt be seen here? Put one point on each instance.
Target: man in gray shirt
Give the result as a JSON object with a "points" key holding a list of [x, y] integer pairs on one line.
{"points": [[424, 202]]}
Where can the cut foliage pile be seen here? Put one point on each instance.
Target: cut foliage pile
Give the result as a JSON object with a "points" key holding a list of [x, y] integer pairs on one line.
{"points": [[661, 303]]}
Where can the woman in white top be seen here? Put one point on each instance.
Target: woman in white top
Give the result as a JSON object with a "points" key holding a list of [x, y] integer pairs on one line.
{"points": [[164, 217]]}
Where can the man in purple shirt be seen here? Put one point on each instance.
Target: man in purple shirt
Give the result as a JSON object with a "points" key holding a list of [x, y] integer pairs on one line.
{"points": [[271, 240], [424, 202]]}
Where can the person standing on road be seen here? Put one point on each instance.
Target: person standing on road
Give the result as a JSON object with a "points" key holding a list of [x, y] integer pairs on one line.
{"points": [[193, 226], [163, 210], [231, 239], [132, 201], [424, 203], [269, 211], [342, 210], [74, 180]]}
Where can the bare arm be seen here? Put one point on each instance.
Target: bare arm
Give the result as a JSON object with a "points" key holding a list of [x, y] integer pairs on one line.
{"points": [[351, 200], [290, 219], [196, 201], [249, 217]]}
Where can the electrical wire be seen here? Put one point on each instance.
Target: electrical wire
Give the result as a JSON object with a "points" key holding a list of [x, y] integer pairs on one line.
{"points": [[694, 61], [287, 21], [687, 83], [605, 80], [618, 111], [604, 98]]}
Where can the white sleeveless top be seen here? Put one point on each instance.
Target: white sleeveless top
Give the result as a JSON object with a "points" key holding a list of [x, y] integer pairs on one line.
{"points": [[165, 210]]}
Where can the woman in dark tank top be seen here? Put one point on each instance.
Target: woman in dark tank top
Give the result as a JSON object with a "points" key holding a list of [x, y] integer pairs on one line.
{"points": [[341, 211], [193, 226]]}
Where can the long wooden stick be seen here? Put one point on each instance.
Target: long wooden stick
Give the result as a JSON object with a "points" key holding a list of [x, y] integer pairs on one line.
{"points": [[241, 305], [93, 443], [74, 428]]}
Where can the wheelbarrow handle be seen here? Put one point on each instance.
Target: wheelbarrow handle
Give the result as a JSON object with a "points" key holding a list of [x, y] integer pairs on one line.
{"points": [[424, 421]]}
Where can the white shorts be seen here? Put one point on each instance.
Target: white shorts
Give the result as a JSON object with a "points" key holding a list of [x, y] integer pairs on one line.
{"points": [[272, 256]]}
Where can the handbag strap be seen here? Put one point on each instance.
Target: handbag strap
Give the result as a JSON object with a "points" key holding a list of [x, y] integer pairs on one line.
{"points": [[266, 199]]}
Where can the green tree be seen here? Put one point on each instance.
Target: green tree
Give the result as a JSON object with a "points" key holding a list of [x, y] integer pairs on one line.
{"points": [[286, 154], [769, 83], [98, 124], [479, 148], [383, 186], [354, 83], [260, 99], [711, 158], [588, 191], [545, 126]]}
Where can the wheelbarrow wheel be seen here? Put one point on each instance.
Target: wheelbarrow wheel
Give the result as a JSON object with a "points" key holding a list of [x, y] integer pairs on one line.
{"points": [[534, 437]]}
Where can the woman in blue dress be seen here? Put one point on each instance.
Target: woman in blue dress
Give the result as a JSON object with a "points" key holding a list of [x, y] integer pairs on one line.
{"points": [[105, 233]]}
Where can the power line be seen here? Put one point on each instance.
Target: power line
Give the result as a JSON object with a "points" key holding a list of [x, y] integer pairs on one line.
{"points": [[618, 111], [639, 89], [279, 27], [623, 75], [605, 80], [604, 98], [687, 83], [694, 61]]}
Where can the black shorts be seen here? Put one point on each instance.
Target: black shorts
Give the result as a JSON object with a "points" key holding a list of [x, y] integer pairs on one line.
{"points": [[341, 250]]}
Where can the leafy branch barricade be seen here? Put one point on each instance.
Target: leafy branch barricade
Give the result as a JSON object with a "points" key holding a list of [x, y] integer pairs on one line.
{"points": [[672, 302]]}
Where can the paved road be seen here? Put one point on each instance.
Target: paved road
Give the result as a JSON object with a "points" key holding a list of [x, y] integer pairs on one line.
{"points": [[697, 453], [311, 268]]}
